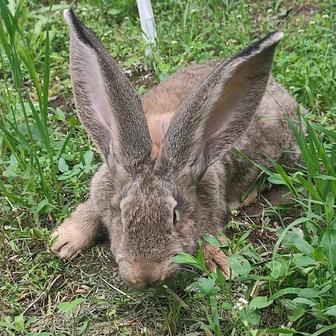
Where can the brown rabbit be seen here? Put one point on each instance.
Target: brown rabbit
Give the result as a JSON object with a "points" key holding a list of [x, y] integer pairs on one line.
{"points": [[170, 171]]}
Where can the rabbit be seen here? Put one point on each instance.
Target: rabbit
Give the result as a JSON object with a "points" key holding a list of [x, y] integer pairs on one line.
{"points": [[170, 171]]}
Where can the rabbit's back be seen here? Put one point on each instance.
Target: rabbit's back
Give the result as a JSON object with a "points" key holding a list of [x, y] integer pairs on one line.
{"points": [[268, 135], [162, 101]]}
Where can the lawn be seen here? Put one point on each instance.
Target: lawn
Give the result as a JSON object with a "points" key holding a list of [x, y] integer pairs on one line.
{"points": [[282, 248]]}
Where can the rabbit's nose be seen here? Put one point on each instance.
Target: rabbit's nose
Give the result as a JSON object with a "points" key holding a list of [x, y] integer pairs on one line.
{"points": [[146, 275]]}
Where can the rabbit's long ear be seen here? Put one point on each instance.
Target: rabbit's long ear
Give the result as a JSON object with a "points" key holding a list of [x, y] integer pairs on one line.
{"points": [[219, 111], [107, 105]]}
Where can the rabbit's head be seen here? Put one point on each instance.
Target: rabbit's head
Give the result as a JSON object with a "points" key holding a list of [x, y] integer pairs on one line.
{"points": [[153, 222], [162, 205]]}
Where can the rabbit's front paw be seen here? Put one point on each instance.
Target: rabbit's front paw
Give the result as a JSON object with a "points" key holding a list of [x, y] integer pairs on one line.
{"points": [[69, 240], [214, 257]]}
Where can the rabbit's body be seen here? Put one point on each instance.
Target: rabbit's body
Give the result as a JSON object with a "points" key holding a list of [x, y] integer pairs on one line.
{"points": [[166, 182]]}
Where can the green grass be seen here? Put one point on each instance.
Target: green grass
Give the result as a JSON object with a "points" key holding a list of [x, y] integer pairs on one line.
{"points": [[283, 257]]}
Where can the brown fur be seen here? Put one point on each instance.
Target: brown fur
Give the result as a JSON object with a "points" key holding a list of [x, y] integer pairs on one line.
{"points": [[181, 163]]}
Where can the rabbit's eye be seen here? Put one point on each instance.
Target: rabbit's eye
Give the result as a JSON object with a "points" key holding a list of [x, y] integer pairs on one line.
{"points": [[174, 217]]}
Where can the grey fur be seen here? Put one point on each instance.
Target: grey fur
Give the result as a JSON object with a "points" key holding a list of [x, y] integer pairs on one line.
{"points": [[195, 119]]}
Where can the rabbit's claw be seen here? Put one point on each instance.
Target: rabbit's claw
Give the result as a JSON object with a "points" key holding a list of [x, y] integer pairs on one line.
{"points": [[77, 232], [68, 241], [215, 257]]}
